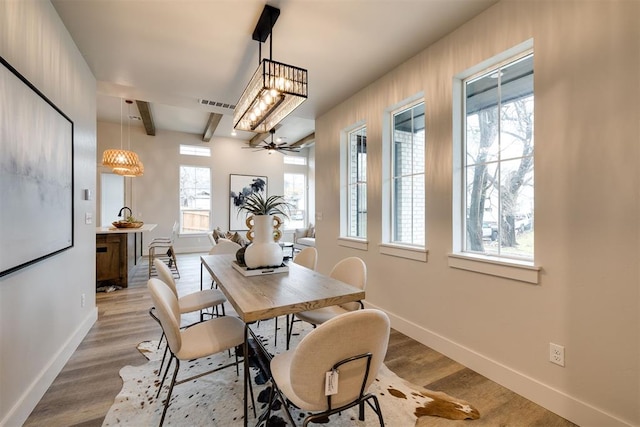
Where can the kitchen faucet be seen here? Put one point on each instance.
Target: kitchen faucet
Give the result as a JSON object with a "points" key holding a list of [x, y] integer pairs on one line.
{"points": [[127, 208]]}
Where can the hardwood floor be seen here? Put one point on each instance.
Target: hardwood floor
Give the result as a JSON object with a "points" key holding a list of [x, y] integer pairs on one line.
{"points": [[83, 392]]}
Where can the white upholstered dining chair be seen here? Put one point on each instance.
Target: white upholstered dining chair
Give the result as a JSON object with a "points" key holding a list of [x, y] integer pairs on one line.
{"points": [[352, 346], [224, 246], [352, 271], [196, 301], [307, 257], [199, 340]]}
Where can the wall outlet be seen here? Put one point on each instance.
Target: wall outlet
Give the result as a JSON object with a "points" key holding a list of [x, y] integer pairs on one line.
{"points": [[556, 354], [82, 300], [88, 217]]}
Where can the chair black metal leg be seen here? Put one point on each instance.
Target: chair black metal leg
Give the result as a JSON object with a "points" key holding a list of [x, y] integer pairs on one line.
{"points": [[275, 333], [173, 381], [164, 356], [164, 376]]}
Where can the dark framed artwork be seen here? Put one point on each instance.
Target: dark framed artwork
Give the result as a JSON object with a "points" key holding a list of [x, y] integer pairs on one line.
{"points": [[36, 174], [240, 186]]}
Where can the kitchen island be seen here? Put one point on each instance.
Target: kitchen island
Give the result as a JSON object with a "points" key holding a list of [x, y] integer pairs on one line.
{"points": [[117, 252]]}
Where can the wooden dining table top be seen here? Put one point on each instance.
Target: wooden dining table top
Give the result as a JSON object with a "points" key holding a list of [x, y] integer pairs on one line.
{"points": [[271, 295]]}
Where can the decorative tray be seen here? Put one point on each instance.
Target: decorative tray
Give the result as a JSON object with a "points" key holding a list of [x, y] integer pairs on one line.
{"points": [[245, 271], [127, 224]]}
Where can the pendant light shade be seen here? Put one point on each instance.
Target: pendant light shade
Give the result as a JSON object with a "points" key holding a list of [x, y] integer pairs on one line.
{"points": [[119, 159], [132, 172], [123, 162]]}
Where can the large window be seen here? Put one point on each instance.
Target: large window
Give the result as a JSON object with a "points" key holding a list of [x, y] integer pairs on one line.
{"points": [[356, 197], [195, 199], [408, 176], [497, 160], [295, 194]]}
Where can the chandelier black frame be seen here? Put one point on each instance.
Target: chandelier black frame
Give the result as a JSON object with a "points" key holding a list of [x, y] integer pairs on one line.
{"points": [[275, 90]]}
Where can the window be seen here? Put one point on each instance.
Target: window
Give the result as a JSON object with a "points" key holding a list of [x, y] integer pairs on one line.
{"points": [[295, 194], [497, 161], [195, 150], [356, 195], [195, 199], [408, 176], [294, 160]]}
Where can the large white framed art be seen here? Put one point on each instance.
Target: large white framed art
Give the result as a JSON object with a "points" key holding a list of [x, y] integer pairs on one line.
{"points": [[36, 174], [240, 186]]}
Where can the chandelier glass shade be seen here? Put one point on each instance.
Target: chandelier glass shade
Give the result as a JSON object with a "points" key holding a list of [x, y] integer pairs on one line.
{"points": [[274, 91]]}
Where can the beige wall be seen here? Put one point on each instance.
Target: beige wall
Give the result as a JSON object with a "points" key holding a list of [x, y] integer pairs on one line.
{"points": [[154, 196], [41, 318], [587, 72]]}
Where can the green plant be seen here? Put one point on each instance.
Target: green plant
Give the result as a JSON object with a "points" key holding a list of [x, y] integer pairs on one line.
{"points": [[257, 204]]}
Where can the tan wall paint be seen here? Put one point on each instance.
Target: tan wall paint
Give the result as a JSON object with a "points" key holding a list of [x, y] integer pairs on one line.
{"points": [[41, 320], [587, 69]]}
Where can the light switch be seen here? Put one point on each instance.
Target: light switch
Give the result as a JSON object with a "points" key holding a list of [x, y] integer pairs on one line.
{"points": [[88, 218]]}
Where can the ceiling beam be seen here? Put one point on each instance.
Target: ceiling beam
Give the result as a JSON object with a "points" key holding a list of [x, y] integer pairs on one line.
{"points": [[212, 124], [147, 119], [253, 142], [301, 143]]}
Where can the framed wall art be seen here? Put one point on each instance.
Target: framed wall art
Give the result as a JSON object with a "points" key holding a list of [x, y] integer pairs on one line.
{"points": [[36, 174], [240, 186]]}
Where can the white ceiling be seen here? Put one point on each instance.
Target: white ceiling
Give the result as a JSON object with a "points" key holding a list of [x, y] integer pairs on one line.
{"points": [[171, 53]]}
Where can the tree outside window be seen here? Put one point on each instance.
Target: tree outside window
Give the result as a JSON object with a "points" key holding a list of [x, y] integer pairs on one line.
{"points": [[195, 199], [498, 163]]}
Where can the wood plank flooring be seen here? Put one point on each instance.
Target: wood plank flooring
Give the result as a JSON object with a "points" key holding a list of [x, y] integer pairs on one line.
{"points": [[83, 392]]}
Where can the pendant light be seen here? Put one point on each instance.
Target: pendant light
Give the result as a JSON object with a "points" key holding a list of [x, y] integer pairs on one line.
{"points": [[121, 161]]}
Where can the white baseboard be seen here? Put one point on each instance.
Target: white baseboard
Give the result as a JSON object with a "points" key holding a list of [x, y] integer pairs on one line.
{"points": [[544, 395], [30, 398]]}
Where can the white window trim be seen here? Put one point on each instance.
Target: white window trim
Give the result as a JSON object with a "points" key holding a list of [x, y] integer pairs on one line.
{"points": [[510, 268], [354, 243], [344, 180], [416, 253], [522, 271], [387, 247]]}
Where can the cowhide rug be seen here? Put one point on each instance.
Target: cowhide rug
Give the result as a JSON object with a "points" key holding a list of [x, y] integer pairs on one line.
{"points": [[217, 399]]}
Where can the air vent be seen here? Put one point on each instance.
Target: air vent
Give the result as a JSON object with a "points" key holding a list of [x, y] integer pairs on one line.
{"points": [[217, 104]]}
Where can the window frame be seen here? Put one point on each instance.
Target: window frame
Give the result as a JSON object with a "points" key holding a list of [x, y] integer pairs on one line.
{"points": [[394, 176], [515, 268], [388, 246], [182, 231], [296, 170], [355, 185]]}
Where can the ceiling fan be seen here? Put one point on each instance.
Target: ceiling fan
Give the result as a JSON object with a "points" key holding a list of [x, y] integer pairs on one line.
{"points": [[272, 146]]}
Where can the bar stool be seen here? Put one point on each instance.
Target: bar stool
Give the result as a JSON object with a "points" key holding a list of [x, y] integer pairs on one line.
{"points": [[162, 247]]}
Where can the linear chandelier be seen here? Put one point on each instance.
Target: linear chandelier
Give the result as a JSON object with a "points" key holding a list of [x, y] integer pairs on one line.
{"points": [[275, 89]]}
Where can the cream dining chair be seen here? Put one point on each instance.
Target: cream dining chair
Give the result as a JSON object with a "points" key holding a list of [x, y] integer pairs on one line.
{"points": [[223, 246], [196, 301], [307, 257], [199, 340], [352, 346], [352, 271]]}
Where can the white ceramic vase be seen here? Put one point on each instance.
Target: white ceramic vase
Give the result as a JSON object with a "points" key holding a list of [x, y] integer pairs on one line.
{"points": [[263, 250]]}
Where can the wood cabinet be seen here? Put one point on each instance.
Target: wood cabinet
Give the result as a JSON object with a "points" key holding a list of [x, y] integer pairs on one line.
{"points": [[111, 260]]}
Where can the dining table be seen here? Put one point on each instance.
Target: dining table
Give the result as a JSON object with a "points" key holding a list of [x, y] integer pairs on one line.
{"points": [[272, 294]]}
